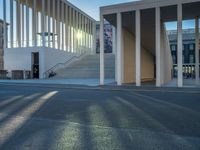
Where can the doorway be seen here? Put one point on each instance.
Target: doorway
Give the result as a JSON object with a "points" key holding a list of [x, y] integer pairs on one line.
{"points": [[35, 65]]}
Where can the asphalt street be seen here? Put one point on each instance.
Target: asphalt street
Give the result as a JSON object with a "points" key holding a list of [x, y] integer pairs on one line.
{"points": [[59, 117]]}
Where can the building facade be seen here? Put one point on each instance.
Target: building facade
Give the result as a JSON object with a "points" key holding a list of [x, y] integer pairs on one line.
{"points": [[188, 52], [44, 33], [108, 37], [142, 45], [1, 44]]}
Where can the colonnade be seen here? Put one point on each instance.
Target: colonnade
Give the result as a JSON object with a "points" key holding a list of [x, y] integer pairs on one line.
{"points": [[119, 39], [48, 23]]}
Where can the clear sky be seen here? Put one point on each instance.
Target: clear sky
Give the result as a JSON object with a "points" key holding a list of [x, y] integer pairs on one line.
{"points": [[91, 7]]}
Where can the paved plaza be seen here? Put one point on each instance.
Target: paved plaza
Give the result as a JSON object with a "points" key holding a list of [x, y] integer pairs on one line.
{"points": [[66, 117]]}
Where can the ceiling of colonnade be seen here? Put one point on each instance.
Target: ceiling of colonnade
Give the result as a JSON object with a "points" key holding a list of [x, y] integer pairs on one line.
{"points": [[168, 13]]}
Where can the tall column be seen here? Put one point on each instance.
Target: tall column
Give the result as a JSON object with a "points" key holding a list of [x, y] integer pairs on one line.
{"points": [[35, 22], [42, 21], [79, 32], [158, 57], [197, 49], [19, 23], [179, 48], [114, 48], [66, 27], [49, 21], [138, 49], [91, 28], [77, 49], [85, 22], [58, 23], [53, 25], [11, 23], [62, 21], [27, 23], [70, 29], [119, 49], [113, 40], [22, 27], [94, 37], [74, 43], [4, 25], [102, 50], [82, 33]]}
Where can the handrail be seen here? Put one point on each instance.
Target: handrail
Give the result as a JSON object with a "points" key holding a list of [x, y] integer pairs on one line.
{"points": [[45, 74]]}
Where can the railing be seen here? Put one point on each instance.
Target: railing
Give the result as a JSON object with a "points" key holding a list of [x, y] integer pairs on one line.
{"points": [[59, 65]]}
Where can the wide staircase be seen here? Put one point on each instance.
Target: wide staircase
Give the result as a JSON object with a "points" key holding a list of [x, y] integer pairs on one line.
{"points": [[88, 68]]}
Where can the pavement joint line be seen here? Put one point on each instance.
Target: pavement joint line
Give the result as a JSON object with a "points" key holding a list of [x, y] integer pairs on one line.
{"points": [[135, 129], [101, 88]]}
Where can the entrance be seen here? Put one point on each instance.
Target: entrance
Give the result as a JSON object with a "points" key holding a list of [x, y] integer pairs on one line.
{"points": [[35, 65]]}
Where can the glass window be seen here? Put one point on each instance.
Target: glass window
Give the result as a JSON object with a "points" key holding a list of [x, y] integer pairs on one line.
{"points": [[173, 47], [174, 59], [191, 58], [191, 46], [183, 59]]}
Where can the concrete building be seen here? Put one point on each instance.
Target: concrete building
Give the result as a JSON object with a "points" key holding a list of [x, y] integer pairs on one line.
{"points": [[188, 52], [45, 33], [142, 45]]}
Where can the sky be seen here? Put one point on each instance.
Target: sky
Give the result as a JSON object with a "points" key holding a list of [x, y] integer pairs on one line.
{"points": [[91, 7]]}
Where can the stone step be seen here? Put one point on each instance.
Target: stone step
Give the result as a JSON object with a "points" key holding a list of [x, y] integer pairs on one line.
{"points": [[88, 67]]}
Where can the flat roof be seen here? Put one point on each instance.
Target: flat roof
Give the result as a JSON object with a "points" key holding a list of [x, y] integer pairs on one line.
{"points": [[143, 4]]}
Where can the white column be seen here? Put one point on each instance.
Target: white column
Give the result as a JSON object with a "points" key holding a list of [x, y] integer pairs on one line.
{"points": [[62, 21], [82, 27], [119, 49], [11, 23], [58, 23], [85, 20], [43, 17], [79, 32], [138, 49], [113, 40], [22, 27], [19, 23], [35, 23], [91, 29], [4, 25], [102, 50], [179, 48], [53, 25], [66, 27], [76, 31], [49, 21], [27, 23], [70, 29], [94, 37], [114, 47], [158, 69], [74, 43], [197, 49]]}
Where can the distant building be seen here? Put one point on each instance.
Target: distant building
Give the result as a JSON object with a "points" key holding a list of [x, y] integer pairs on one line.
{"points": [[107, 37], [188, 52], [1, 44]]}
